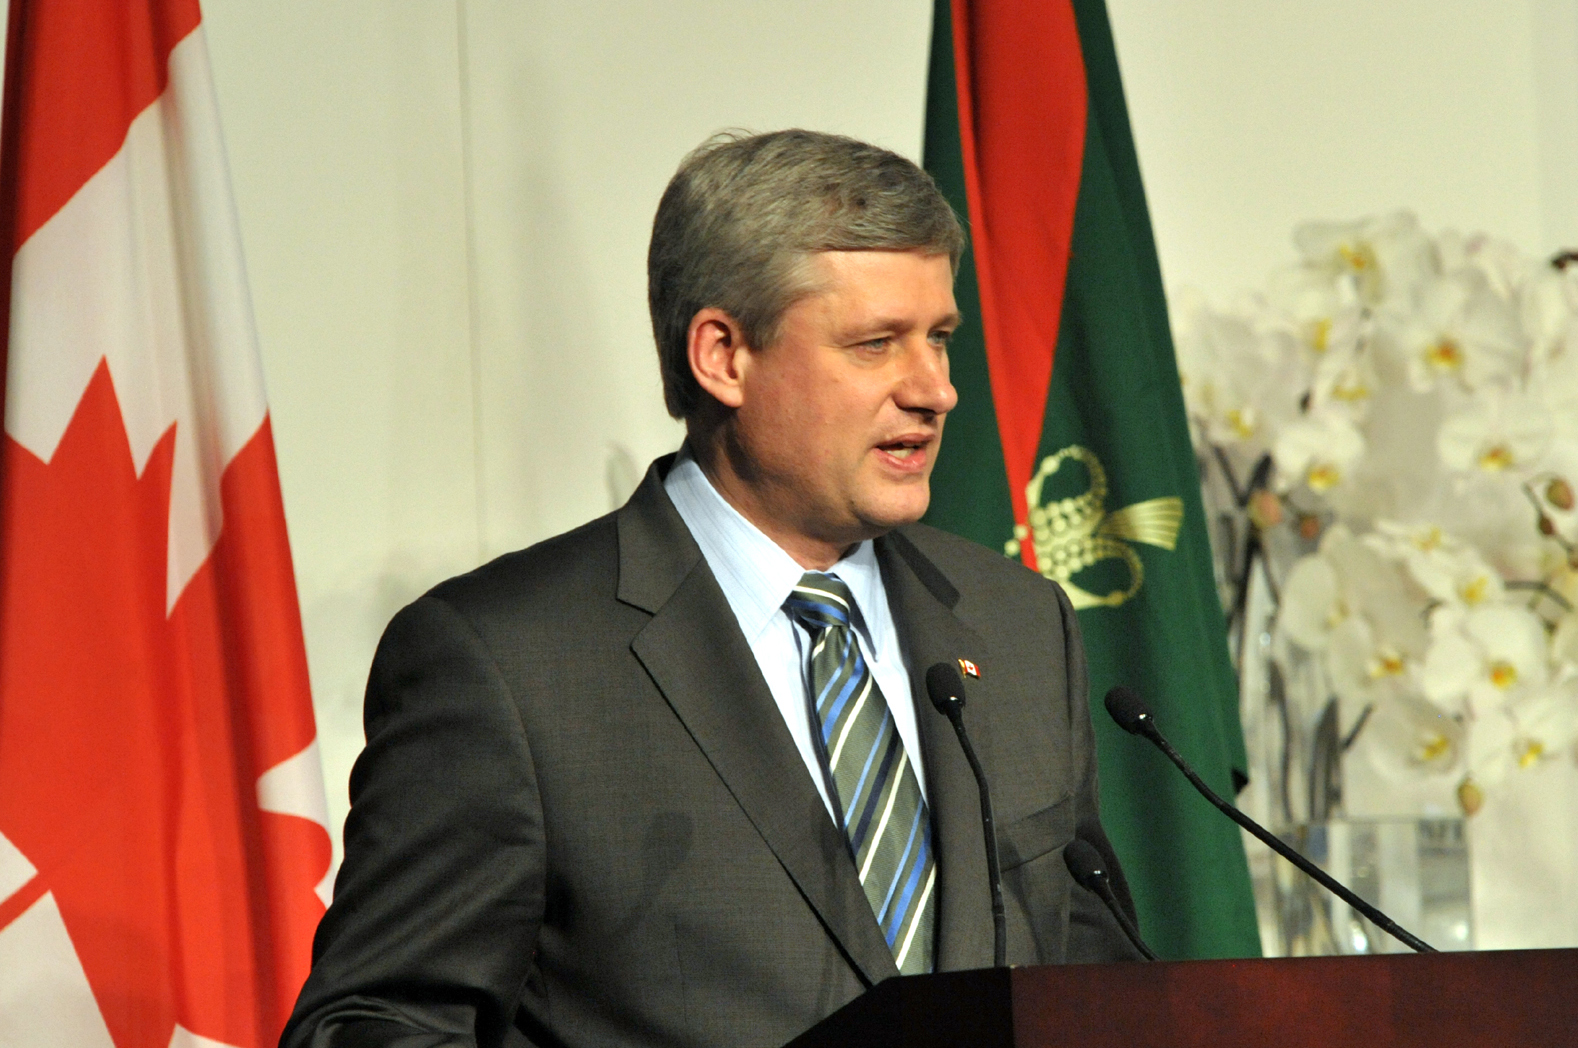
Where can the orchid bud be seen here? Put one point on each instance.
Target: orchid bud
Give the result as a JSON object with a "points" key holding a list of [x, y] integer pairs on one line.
{"points": [[1469, 796], [1265, 509], [1559, 493]]}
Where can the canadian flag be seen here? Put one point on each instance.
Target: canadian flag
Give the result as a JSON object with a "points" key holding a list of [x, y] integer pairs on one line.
{"points": [[164, 854]]}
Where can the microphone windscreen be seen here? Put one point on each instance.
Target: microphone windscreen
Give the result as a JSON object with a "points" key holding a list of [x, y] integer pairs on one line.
{"points": [[1085, 863], [1126, 707], [945, 687]]}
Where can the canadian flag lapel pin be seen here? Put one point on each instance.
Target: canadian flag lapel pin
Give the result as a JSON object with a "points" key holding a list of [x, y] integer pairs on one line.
{"points": [[969, 669]]}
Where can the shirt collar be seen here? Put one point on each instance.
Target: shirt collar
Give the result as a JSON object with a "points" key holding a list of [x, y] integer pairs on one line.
{"points": [[863, 576], [754, 572]]}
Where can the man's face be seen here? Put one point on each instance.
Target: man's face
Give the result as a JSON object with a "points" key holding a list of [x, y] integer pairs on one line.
{"points": [[840, 420]]}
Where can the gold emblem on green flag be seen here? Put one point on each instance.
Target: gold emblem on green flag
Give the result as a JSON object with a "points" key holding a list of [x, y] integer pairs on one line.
{"points": [[1072, 534]]}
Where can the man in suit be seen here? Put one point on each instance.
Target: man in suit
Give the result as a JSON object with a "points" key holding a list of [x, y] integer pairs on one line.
{"points": [[671, 778]]}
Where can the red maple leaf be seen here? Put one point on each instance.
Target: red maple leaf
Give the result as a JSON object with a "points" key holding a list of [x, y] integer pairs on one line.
{"points": [[131, 741]]}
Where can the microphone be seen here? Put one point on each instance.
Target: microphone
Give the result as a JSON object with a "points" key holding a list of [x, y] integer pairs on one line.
{"points": [[1134, 717], [1090, 871], [946, 690]]}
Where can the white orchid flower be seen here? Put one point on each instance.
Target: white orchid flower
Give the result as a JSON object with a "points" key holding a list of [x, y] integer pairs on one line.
{"points": [[1546, 720], [1490, 752], [1462, 334], [1317, 451], [1555, 382], [1239, 385], [1360, 610], [1498, 433], [1541, 725], [1383, 258], [1321, 312], [1345, 380], [1505, 269], [1564, 641], [1365, 667], [1406, 736], [1548, 308], [1448, 569], [1485, 657], [1376, 653]]}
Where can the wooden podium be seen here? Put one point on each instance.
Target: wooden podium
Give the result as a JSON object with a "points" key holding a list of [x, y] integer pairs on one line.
{"points": [[1516, 999]]}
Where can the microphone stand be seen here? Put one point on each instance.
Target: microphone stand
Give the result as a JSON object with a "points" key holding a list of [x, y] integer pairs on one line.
{"points": [[994, 871], [1129, 711], [946, 690]]}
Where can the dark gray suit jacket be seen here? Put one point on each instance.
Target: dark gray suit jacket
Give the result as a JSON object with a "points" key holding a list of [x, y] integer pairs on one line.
{"points": [[581, 820]]}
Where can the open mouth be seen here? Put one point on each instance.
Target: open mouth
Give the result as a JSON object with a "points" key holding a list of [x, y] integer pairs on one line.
{"points": [[909, 450]]}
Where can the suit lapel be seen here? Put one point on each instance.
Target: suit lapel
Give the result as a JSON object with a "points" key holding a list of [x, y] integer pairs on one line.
{"points": [[700, 661], [922, 599]]}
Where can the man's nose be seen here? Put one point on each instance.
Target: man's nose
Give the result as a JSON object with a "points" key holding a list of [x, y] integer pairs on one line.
{"points": [[925, 386]]}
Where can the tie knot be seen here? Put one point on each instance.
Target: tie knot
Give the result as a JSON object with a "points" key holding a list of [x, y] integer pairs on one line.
{"points": [[820, 602]]}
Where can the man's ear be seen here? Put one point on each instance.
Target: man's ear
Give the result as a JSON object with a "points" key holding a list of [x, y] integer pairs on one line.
{"points": [[718, 355]]}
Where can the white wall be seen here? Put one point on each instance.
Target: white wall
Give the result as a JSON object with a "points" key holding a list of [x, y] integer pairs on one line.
{"points": [[1252, 116]]}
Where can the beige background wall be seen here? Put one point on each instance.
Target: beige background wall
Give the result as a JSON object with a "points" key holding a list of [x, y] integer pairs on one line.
{"points": [[1252, 116], [445, 204]]}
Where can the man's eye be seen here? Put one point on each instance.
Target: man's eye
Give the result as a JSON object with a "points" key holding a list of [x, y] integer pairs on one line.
{"points": [[941, 339]]}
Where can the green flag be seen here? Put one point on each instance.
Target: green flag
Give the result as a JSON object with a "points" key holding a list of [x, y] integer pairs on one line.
{"points": [[1069, 447]]}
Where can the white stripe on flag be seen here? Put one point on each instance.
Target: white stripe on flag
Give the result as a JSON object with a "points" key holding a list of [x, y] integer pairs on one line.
{"points": [[294, 786], [45, 998], [153, 283]]}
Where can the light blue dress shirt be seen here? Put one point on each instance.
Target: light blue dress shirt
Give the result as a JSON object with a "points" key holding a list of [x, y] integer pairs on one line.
{"points": [[756, 577]]}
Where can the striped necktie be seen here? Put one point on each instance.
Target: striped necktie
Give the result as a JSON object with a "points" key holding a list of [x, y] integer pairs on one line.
{"points": [[873, 781]]}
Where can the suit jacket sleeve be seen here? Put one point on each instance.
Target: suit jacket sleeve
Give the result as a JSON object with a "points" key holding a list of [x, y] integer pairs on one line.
{"points": [[438, 904]]}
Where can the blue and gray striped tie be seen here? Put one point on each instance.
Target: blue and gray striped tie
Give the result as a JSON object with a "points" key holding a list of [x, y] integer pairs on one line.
{"points": [[876, 789]]}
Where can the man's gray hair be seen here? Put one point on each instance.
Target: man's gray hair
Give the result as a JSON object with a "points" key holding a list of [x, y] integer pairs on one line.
{"points": [[742, 216]]}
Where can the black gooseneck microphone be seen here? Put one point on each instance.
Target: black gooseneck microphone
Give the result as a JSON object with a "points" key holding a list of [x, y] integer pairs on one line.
{"points": [[1134, 717], [946, 689], [1090, 872]]}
